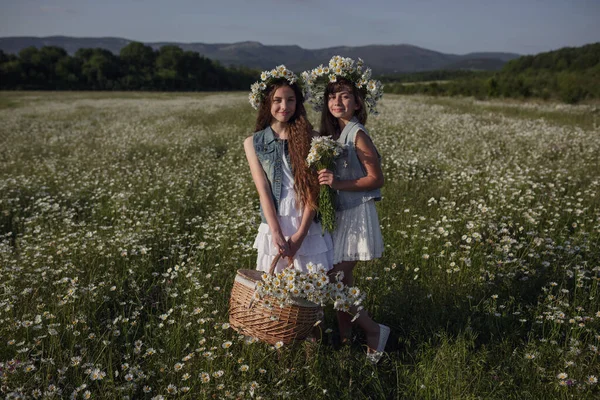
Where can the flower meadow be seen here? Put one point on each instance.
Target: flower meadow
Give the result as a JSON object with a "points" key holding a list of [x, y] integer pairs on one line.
{"points": [[124, 217]]}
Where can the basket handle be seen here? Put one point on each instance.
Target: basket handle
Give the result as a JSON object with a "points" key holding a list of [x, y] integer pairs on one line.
{"points": [[276, 260]]}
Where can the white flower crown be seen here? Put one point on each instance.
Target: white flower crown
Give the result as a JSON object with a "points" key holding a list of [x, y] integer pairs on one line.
{"points": [[341, 67], [268, 78]]}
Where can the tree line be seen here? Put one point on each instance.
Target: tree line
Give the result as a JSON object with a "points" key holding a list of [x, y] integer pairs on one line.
{"points": [[137, 67], [571, 74]]}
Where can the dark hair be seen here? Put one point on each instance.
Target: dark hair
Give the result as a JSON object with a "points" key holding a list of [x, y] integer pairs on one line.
{"points": [[329, 123], [300, 131]]}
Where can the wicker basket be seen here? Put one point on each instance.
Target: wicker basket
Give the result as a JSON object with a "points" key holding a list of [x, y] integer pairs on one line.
{"points": [[252, 318]]}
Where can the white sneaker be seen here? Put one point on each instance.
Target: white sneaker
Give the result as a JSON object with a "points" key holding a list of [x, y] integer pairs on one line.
{"points": [[375, 356]]}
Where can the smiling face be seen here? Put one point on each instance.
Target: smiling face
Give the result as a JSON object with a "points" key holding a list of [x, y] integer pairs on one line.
{"points": [[342, 104], [344, 101], [283, 104]]}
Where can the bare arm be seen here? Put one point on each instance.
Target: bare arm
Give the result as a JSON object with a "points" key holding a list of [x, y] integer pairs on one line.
{"points": [[367, 155], [264, 194], [297, 238]]}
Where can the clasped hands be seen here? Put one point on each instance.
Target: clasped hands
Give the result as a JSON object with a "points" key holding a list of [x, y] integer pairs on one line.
{"points": [[288, 248]]}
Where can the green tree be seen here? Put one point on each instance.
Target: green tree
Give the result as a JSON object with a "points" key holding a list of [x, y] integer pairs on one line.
{"points": [[99, 69], [571, 89], [492, 85], [171, 72], [11, 75], [68, 72], [137, 61], [32, 68], [3, 57]]}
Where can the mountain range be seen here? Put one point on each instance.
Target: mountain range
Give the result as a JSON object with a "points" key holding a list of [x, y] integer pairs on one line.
{"points": [[383, 59]]}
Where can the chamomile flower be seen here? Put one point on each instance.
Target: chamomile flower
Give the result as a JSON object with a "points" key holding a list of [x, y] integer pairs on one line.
{"points": [[218, 374], [172, 389], [204, 377], [97, 374], [29, 368]]}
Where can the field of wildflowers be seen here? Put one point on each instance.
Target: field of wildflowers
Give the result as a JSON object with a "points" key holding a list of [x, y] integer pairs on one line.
{"points": [[124, 216]]}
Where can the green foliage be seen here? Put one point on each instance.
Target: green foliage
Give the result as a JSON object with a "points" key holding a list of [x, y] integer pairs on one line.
{"points": [[571, 74], [137, 67], [99, 68]]}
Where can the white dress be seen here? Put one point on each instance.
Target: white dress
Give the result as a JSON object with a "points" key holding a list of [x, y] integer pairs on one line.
{"points": [[316, 247], [357, 235]]}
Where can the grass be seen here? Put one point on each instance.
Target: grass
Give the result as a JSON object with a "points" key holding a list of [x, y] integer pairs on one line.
{"points": [[585, 116], [124, 216]]}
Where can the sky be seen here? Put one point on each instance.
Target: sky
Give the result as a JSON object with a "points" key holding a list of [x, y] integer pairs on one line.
{"points": [[448, 26]]}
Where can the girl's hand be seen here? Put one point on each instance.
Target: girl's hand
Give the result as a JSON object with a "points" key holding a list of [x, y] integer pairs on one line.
{"points": [[326, 177], [295, 242], [281, 244]]}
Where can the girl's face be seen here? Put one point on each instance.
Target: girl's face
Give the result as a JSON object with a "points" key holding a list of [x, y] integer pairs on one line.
{"points": [[342, 104], [283, 104]]}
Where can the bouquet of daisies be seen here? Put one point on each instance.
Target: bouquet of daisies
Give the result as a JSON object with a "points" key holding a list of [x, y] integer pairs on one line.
{"points": [[289, 285], [323, 151]]}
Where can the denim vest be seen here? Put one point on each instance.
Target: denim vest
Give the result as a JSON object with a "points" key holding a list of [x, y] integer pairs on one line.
{"points": [[349, 167], [269, 150]]}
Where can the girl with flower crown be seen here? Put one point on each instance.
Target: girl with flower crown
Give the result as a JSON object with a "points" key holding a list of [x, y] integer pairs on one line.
{"points": [[344, 93], [286, 186]]}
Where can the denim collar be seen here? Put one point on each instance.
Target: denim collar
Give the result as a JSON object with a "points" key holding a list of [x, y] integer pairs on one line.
{"points": [[347, 129], [269, 135]]}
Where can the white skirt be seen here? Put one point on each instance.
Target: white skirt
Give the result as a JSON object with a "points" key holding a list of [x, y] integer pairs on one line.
{"points": [[316, 247], [357, 235]]}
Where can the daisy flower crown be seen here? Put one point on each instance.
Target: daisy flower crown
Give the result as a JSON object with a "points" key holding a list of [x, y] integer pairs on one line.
{"points": [[268, 78], [342, 67]]}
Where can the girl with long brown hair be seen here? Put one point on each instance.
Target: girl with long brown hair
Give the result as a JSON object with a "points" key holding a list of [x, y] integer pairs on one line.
{"points": [[286, 186]]}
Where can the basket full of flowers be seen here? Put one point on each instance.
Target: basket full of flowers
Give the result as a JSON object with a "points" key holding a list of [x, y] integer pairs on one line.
{"points": [[284, 306]]}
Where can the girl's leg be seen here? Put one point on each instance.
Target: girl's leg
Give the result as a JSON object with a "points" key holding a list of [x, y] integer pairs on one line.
{"points": [[370, 327], [365, 322], [344, 319]]}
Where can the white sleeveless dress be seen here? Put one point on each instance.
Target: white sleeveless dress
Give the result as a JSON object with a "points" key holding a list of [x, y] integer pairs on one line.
{"points": [[316, 247], [357, 235]]}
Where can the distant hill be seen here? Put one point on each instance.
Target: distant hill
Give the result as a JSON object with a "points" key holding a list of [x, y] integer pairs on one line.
{"points": [[570, 74], [383, 59]]}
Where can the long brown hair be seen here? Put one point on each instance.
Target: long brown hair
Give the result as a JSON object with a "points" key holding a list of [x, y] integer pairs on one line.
{"points": [[300, 131], [329, 123]]}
